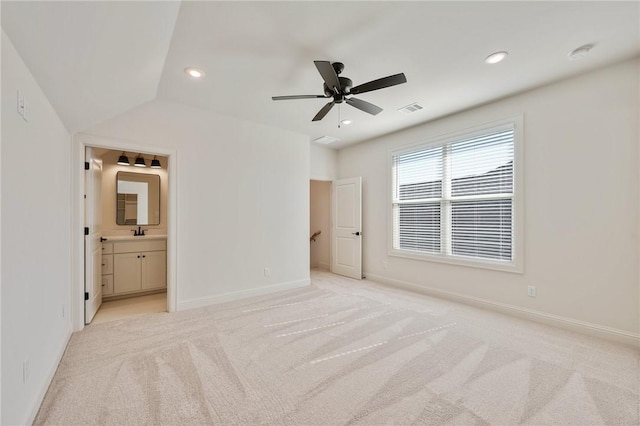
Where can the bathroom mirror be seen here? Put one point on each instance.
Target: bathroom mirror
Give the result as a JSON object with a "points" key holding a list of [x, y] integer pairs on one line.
{"points": [[137, 199]]}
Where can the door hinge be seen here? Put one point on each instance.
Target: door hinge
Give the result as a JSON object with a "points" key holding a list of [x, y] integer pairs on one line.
{"points": [[86, 230], [86, 296], [86, 165]]}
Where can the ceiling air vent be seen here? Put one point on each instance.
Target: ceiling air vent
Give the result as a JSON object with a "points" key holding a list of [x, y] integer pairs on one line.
{"points": [[411, 108], [326, 140]]}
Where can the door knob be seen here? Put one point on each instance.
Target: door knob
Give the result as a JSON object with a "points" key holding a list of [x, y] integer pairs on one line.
{"points": [[102, 239], [356, 233]]}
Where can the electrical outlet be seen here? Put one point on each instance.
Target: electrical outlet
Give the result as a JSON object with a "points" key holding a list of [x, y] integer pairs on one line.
{"points": [[25, 371], [532, 291], [267, 272]]}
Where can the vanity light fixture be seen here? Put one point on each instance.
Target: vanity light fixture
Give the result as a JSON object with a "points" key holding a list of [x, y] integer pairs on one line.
{"points": [[155, 163], [140, 161], [123, 160]]}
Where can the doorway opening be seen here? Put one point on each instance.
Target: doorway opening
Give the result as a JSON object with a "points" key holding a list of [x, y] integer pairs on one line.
{"points": [[129, 212], [320, 224], [125, 269], [124, 244]]}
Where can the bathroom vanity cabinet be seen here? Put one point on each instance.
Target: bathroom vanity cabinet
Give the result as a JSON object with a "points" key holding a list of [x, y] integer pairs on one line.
{"points": [[133, 266]]}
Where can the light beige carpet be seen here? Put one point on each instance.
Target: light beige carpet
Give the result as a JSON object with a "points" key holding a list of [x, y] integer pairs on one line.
{"points": [[340, 352]]}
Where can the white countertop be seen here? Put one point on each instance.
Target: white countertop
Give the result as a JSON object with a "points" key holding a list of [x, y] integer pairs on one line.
{"points": [[132, 238]]}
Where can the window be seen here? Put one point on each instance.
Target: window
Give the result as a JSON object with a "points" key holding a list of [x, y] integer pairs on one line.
{"points": [[455, 199]]}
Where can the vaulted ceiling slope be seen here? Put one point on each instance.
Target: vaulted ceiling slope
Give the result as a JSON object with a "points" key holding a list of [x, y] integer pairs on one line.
{"points": [[93, 59], [98, 59]]}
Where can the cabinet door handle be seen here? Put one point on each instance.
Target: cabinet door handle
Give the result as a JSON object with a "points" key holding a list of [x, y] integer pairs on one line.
{"points": [[138, 257], [144, 255]]}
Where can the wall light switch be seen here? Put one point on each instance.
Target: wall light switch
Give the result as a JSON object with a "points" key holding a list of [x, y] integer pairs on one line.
{"points": [[22, 106]]}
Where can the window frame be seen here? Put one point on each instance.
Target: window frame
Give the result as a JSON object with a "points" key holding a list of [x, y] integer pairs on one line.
{"points": [[517, 226]]}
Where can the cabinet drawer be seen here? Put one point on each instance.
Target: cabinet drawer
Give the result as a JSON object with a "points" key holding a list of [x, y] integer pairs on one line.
{"points": [[107, 285], [139, 246], [107, 248], [107, 264]]}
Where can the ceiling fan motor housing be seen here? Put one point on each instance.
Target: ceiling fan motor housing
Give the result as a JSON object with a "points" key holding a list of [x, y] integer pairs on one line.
{"points": [[345, 87]]}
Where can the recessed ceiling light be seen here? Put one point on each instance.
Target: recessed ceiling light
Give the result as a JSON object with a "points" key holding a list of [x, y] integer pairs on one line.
{"points": [[496, 57], [346, 122], [194, 72], [580, 52]]}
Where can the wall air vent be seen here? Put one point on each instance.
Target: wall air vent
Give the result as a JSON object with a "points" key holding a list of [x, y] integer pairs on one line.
{"points": [[326, 140], [411, 108]]}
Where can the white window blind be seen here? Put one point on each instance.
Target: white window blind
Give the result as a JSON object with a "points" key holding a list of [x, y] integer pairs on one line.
{"points": [[456, 198]]}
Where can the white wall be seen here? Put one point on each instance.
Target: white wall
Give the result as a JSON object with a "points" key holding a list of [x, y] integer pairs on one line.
{"points": [[36, 241], [324, 162], [242, 194], [319, 220], [581, 203]]}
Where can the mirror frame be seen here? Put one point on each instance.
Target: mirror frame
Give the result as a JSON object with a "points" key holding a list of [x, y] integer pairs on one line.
{"points": [[159, 198]]}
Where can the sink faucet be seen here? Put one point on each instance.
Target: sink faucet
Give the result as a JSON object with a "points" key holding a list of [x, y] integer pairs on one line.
{"points": [[138, 232]]}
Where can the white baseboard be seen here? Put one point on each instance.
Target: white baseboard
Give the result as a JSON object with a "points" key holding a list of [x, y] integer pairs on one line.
{"points": [[49, 378], [609, 333], [242, 294]]}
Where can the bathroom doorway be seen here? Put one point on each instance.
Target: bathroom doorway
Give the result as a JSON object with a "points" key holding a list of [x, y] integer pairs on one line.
{"points": [[136, 269], [320, 224], [128, 191]]}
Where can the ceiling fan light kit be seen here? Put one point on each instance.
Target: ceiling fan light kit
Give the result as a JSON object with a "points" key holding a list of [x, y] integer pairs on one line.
{"points": [[341, 89]]}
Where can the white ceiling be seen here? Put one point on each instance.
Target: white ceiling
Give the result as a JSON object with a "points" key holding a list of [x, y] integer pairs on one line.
{"points": [[97, 59], [94, 59]]}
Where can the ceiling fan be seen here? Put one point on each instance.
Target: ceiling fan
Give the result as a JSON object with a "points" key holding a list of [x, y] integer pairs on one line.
{"points": [[339, 88]]}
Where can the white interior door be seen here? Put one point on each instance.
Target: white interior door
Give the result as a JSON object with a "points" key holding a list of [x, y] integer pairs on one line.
{"points": [[346, 238], [92, 243]]}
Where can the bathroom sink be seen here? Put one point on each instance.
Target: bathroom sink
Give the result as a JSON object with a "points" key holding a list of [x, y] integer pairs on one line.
{"points": [[131, 237]]}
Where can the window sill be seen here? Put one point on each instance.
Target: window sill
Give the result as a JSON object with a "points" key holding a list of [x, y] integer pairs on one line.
{"points": [[512, 267]]}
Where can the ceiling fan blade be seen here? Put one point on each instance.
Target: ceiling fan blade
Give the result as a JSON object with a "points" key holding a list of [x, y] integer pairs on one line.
{"points": [[282, 98], [325, 109], [380, 83], [328, 74], [364, 106]]}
